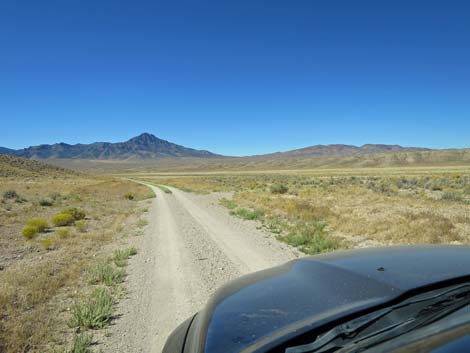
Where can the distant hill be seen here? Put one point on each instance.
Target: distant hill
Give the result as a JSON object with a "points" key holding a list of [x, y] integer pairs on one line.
{"points": [[433, 158], [11, 166], [144, 146], [4, 150], [339, 150]]}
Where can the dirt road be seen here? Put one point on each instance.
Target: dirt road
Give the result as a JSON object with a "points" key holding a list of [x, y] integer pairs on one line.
{"points": [[191, 247]]}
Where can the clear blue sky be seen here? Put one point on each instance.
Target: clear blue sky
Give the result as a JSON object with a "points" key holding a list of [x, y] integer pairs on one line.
{"points": [[236, 77]]}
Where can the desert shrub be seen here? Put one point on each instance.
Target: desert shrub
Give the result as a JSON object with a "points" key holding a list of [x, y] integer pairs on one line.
{"points": [[39, 223], [433, 185], [80, 225], [75, 213], [46, 202], [10, 194], [62, 219], [106, 274], [129, 196], [310, 237], [247, 214], [29, 231], [62, 232], [278, 188], [451, 196], [94, 312]]}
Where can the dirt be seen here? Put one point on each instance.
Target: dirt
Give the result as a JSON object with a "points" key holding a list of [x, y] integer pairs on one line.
{"points": [[190, 248]]}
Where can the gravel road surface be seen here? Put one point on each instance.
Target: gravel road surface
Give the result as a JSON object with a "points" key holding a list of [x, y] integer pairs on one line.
{"points": [[190, 248]]}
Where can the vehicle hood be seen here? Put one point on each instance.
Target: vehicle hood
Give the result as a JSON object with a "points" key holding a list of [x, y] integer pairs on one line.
{"points": [[259, 311]]}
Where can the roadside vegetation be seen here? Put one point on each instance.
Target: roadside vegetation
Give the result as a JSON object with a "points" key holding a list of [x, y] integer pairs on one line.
{"points": [[58, 271], [324, 210]]}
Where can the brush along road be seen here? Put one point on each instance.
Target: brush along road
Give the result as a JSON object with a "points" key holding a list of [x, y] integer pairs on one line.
{"points": [[191, 247]]}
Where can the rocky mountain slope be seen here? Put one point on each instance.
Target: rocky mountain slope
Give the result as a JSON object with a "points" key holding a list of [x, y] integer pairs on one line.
{"points": [[11, 166], [144, 146]]}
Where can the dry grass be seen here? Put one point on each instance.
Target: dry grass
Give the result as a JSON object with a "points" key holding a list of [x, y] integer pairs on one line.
{"points": [[43, 276], [359, 207]]}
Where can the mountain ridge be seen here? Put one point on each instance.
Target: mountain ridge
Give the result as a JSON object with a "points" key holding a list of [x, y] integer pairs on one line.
{"points": [[143, 146], [147, 146], [339, 150]]}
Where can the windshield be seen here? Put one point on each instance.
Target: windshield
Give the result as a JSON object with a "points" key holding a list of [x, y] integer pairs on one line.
{"points": [[386, 324]]}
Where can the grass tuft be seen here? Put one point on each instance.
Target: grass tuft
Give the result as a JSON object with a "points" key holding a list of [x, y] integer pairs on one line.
{"points": [[247, 214], [120, 257], [81, 343], [230, 204], [45, 202], [129, 196], [141, 223], [81, 226], [47, 244], [310, 238], [105, 274], [94, 312]]}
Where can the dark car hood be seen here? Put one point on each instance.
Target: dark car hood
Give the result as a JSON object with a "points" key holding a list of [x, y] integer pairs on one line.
{"points": [[261, 310]]}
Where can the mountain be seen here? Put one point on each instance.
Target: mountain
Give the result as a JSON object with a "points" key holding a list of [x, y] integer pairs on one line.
{"points": [[339, 150], [4, 150], [147, 147], [144, 146]]}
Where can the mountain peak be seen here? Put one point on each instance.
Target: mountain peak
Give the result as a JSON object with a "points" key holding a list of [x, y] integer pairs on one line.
{"points": [[145, 138]]}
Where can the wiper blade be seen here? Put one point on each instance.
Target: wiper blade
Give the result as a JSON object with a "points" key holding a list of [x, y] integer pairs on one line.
{"points": [[372, 329]]}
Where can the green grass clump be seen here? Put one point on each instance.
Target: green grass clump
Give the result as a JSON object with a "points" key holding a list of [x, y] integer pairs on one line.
{"points": [[106, 274], [247, 214], [81, 344], [80, 225], [62, 219], [29, 232], [278, 188], [310, 238], [230, 204], [120, 257], [39, 223], [94, 312]]}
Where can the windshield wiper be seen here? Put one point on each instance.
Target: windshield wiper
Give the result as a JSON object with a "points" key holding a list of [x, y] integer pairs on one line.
{"points": [[382, 325]]}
